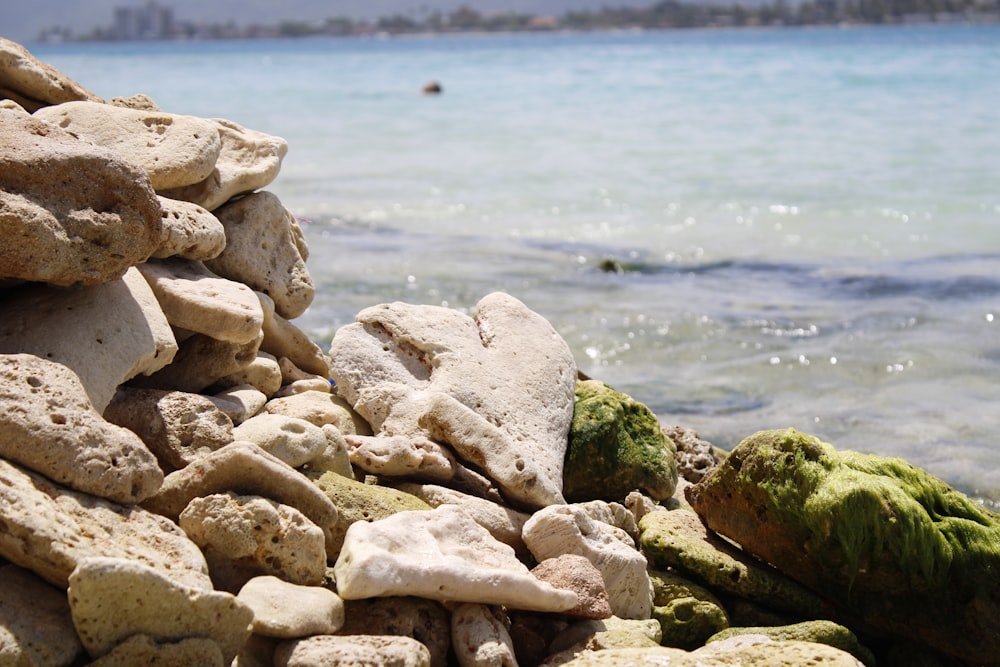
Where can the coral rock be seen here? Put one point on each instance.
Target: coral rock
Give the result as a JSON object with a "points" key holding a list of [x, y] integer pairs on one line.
{"points": [[294, 441], [576, 573], [345, 651], [189, 231], [426, 621], [144, 650], [286, 610]]}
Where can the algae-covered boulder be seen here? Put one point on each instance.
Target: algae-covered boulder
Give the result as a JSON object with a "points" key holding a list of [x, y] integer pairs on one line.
{"points": [[882, 539], [688, 614], [615, 446], [819, 632]]}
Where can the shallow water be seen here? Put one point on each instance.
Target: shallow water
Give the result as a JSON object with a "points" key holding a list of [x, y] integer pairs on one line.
{"points": [[805, 223]]}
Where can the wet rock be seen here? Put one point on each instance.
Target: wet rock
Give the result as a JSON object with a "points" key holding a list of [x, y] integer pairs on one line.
{"points": [[294, 441], [144, 650], [426, 621], [688, 614], [189, 232], [286, 610], [479, 638], [35, 623], [474, 383], [173, 150], [32, 83], [615, 446], [577, 574], [72, 212], [348, 651], [818, 632]]}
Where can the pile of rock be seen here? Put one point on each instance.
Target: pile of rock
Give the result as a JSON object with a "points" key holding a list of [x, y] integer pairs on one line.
{"points": [[186, 478]]}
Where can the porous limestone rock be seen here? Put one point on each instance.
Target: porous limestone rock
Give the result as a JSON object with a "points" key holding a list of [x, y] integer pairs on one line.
{"points": [[35, 623], [284, 339], [441, 554], [614, 514], [112, 599], [189, 231], [819, 632], [321, 408], [247, 536], [774, 653], [266, 250], [178, 427], [334, 457], [286, 610], [426, 621], [577, 574], [137, 101], [247, 161], [32, 83], [351, 651], [47, 424], [200, 362], [262, 372], [173, 150], [144, 650], [480, 638], [602, 634], [195, 299], [48, 529], [615, 446], [72, 212], [496, 387], [294, 441], [240, 402], [567, 529], [245, 468], [118, 331], [879, 537], [677, 539], [401, 456], [695, 457], [688, 614]]}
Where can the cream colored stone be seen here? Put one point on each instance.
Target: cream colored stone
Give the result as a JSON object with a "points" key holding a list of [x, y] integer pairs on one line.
{"points": [[240, 402], [334, 457], [194, 298], [614, 514], [137, 101], [291, 373], [144, 650], [173, 150], [72, 213], [32, 83], [567, 529], [352, 651], [189, 231], [244, 468], [47, 424], [496, 387], [263, 373], [577, 574], [262, 251], [35, 624], [321, 408], [286, 610], [112, 599], [440, 554], [178, 427], [107, 334], [401, 456], [294, 441], [284, 339], [773, 653], [479, 638], [315, 383], [48, 529], [249, 160], [200, 362]]}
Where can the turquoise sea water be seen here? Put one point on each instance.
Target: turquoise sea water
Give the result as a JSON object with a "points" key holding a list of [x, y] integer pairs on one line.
{"points": [[807, 222]]}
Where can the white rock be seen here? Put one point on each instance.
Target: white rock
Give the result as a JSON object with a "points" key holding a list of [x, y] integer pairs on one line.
{"points": [[294, 441], [479, 638], [401, 456], [286, 610], [240, 402]]}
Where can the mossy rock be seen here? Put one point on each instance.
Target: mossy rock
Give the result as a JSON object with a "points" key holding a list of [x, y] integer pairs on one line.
{"points": [[882, 539], [818, 632], [688, 614], [615, 446]]}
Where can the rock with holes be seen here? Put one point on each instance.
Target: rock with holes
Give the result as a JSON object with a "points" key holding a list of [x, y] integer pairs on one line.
{"points": [[48, 425], [35, 623], [497, 387], [142, 649], [32, 83], [358, 650], [287, 610], [688, 614], [294, 441], [172, 149], [321, 408], [402, 456], [200, 362], [426, 621], [189, 231]]}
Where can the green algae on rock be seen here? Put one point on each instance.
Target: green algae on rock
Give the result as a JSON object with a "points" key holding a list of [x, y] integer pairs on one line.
{"points": [[881, 538], [616, 446], [688, 614], [819, 632]]}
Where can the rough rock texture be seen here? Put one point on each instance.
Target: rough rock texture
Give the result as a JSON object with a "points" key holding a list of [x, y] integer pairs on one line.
{"points": [[144, 650], [47, 424], [200, 362], [266, 250], [321, 408], [246, 536], [577, 574], [173, 150], [426, 621], [294, 441], [441, 554], [603, 635], [567, 529], [402, 456], [480, 638], [49, 529], [262, 373], [118, 331], [32, 83], [35, 623], [820, 632], [71, 212], [695, 457], [496, 387], [881, 538], [286, 610], [354, 650], [239, 403], [284, 339], [112, 599], [615, 446], [189, 231], [688, 614], [775, 654]]}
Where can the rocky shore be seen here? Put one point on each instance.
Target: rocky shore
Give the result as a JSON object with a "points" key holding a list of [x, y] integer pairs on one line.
{"points": [[187, 479]]}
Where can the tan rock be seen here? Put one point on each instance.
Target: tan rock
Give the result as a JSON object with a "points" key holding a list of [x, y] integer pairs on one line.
{"points": [[72, 212], [351, 651], [577, 574], [321, 408], [48, 425], [315, 383], [189, 231], [178, 427], [607, 633], [195, 299], [240, 402], [286, 610], [291, 372], [200, 362], [426, 621], [137, 101], [334, 458], [294, 441], [173, 150], [112, 599], [249, 160], [479, 638], [497, 388], [144, 650], [401, 456], [567, 529], [440, 554], [283, 339], [263, 373], [107, 334], [48, 529], [32, 83], [35, 624], [244, 468], [247, 536], [262, 250]]}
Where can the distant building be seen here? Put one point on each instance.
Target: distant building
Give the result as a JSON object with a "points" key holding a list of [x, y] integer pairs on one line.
{"points": [[151, 21]]}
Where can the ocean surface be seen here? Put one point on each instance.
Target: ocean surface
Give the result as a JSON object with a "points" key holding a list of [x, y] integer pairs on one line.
{"points": [[742, 229]]}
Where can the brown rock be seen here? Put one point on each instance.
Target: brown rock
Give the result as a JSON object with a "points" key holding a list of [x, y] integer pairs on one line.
{"points": [[577, 574], [200, 362]]}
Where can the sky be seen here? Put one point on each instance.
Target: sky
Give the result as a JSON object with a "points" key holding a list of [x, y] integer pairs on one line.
{"points": [[21, 21]]}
